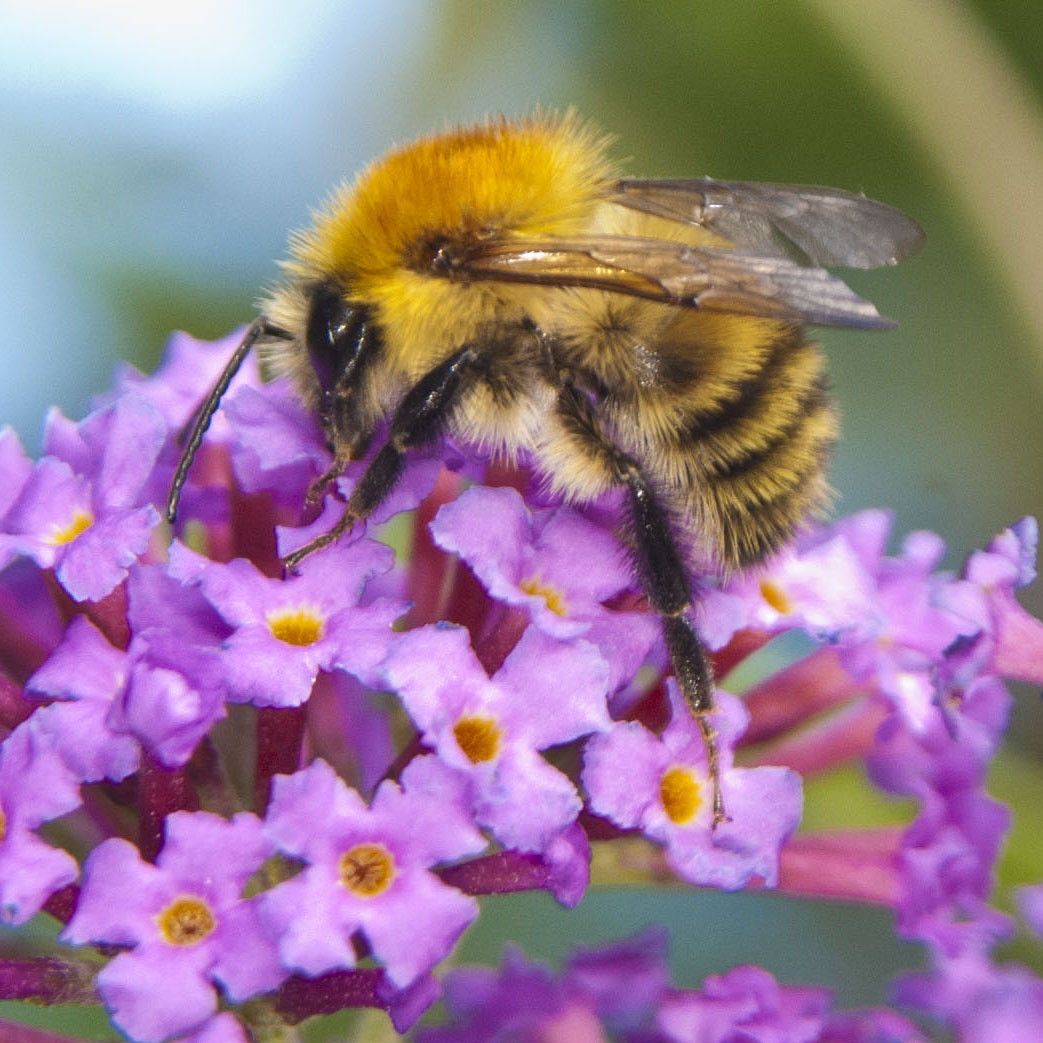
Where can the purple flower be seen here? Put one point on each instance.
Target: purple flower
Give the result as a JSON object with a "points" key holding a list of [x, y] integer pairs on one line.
{"points": [[416, 482], [556, 565], [15, 470], [1030, 902], [622, 991], [749, 1003], [221, 1028], [910, 633], [368, 869], [283, 632], [85, 674], [186, 374], [492, 729], [614, 987], [185, 920], [276, 445], [980, 1000], [820, 585], [661, 786], [948, 852], [521, 1000], [189, 369], [1008, 641], [942, 759], [625, 980], [948, 856], [36, 786], [161, 692], [81, 511]]}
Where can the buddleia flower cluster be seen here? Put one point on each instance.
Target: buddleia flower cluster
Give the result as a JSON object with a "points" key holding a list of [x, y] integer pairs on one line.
{"points": [[248, 799]]}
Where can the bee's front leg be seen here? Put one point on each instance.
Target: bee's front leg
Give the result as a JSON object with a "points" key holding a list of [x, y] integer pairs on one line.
{"points": [[419, 419]]}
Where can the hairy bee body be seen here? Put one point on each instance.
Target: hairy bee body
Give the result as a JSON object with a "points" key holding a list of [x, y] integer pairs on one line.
{"points": [[501, 283], [728, 413]]}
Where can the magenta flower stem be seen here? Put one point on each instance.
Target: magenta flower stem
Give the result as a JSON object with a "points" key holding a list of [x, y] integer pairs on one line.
{"points": [[299, 998], [499, 874], [841, 737], [431, 571], [22, 651], [280, 732], [161, 791], [793, 694], [62, 903], [108, 614], [493, 648], [851, 864], [45, 981], [13, 708]]}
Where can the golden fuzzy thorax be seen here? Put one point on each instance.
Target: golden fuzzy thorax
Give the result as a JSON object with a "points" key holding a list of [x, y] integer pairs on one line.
{"points": [[540, 176], [727, 415]]}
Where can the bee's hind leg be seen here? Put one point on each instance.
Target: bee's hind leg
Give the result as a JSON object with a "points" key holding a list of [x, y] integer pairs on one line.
{"points": [[662, 574], [660, 570]]}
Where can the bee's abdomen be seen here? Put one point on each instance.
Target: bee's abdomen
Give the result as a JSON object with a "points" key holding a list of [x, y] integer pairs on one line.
{"points": [[756, 450]]}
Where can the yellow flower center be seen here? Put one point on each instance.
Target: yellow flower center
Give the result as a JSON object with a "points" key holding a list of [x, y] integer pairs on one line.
{"points": [[551, 595], [3, 825], [61, 534], [679, 793], [776, 596], [367, 869], [478, 737], [186, 921], [296, 626]]}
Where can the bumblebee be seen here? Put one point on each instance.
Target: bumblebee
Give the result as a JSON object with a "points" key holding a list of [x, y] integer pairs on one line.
{"points": [[503, 284]]}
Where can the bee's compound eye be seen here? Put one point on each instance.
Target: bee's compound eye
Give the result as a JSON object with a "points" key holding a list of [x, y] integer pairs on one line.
{"points": [[334, 335]]}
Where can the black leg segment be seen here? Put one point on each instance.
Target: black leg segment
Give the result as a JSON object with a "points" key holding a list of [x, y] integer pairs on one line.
{"points": [[259, 329], [419, 419], [659, 565], [662, 574]]}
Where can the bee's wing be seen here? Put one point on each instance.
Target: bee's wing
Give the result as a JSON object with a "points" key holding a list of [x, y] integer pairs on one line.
{"points": [[714, 279], [808, 224]]}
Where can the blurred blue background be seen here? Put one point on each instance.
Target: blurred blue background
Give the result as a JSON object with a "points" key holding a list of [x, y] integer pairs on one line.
{"points": [[155, 156]]}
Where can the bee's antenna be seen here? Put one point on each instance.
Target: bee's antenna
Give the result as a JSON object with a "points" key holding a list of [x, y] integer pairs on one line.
{"points": [[258, 329]]}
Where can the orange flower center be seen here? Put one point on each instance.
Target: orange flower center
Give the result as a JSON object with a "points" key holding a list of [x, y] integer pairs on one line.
{"points": [[776, 596], [679, 793], [296, 626], [367, 869], [551, 595], [186, 921], [61, 534], [478, 737]]}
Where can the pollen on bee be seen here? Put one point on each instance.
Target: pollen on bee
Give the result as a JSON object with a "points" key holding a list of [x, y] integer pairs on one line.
{"points": [[186, 921], [61, 534], [478, 737], [297, 626], [367, 869], [680, 794]]}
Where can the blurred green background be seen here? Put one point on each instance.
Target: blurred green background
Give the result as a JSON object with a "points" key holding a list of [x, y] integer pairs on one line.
{"points": [[153, 159]]}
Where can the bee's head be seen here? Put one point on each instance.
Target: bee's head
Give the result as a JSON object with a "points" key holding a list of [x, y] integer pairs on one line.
{"points": [[340, 336]]}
